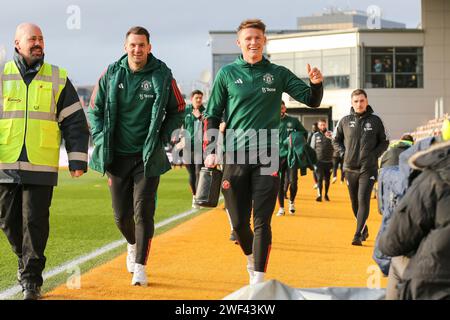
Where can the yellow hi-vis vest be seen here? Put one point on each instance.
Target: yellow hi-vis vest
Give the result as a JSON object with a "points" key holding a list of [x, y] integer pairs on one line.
{"points": [[28, 115]]}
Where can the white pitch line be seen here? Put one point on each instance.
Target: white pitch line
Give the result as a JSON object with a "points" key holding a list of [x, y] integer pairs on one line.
{"points": [[8, 293]]}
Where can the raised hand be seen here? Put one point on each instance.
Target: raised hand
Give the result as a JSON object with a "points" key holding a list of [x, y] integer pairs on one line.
{"points": [[314, 74]]}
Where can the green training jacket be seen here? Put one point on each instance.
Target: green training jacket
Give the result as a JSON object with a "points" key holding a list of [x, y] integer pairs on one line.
{"points": [[288, 125], [166, 115], [193, 125], [249, 95]]}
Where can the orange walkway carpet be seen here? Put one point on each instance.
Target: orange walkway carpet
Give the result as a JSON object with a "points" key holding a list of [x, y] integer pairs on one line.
{"points": [[195, 260]]}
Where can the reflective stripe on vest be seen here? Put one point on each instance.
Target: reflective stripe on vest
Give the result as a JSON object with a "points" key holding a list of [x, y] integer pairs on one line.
{"points": [[29, 114]]}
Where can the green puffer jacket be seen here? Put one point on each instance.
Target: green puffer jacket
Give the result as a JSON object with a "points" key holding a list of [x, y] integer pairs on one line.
{"points": [[300, 154], [165, 118], [193, 125]]}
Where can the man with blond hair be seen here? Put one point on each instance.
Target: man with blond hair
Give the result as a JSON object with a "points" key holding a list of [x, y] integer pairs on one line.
{"points": [[248, 91]]}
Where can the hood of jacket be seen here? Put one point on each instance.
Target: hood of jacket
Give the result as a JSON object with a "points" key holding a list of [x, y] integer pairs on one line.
{"points": [[369, 111], [436, 158], [151, 65]]}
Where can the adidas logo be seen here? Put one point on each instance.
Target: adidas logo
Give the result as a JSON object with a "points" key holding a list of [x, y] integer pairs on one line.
{"points": [[239, 81], [121, 86]]}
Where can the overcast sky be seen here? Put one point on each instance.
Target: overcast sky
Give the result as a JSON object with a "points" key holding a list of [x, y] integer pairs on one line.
{"points": [[178, 28]]}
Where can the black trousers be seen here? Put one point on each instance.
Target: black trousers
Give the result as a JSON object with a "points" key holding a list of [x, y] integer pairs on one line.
{"points": [[323, 175], [360, 185], [338, 163], [24, 218], [245, 188], [194, 172], [288, 176], [134, 202]]}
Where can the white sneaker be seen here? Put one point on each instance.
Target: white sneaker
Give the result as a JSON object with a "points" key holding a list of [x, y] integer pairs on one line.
{"points": [[334, 180], [291, 208], [258, 277], [131, 257], [194, 205], [139, 275], [251, 274], [280, 212]]}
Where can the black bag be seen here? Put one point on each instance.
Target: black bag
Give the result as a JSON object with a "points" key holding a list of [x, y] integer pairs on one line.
{"points": [[208, 188]]}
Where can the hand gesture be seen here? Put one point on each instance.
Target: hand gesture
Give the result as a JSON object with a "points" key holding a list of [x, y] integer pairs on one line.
{"points": [[314, 74]]}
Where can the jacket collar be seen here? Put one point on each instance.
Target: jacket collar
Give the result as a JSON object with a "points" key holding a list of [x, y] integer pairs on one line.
{"points": [[152, 63], [190, 108], [23, 67], [241, 62], [368, 112]]}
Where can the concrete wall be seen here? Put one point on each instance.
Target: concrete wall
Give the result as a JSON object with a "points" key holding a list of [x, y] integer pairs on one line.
{"points": [[436, 23]]}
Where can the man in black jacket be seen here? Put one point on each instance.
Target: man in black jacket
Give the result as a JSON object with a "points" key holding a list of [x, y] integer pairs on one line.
{"points": [[323, 146], [361, 137]]}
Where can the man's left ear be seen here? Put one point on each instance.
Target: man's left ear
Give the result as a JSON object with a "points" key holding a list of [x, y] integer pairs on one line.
{"points": [[150, 49]]}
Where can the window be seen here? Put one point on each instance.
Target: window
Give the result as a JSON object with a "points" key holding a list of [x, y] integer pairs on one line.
{"points": [[283, 59], [220, 60], [335, 65], [397, 67]]}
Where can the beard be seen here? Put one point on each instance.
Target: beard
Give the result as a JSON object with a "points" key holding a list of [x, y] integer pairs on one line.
{"points": [[34, 57]]}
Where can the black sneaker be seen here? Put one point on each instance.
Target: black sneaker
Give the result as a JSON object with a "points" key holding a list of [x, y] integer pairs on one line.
{"points": [[327, 198], [365, 233], [31, 291], [233, 238], [357, 241], [319, 199], [20, 269]]}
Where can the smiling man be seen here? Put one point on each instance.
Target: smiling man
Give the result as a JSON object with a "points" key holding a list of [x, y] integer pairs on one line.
{"points": [[133, 113], [38, 106], [247, 94]]}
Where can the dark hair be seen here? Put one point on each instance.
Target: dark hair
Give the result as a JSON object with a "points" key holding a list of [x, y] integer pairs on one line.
{"points": [[282, 103], [139, 30], [193, 93], [357, 92], [407, 137], [322, 120], [252, 23]]}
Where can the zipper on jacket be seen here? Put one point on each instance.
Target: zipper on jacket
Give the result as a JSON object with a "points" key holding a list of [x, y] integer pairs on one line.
{"points": [[358, 129], [26, 121]]}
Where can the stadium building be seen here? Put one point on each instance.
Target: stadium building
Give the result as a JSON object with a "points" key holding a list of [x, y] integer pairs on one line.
{"points": [[406, 72]]}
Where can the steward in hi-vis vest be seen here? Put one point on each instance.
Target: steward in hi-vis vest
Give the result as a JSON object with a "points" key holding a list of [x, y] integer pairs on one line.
{"points": [[38, 107]]}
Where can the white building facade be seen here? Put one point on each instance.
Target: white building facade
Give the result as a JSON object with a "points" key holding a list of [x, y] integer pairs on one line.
{"points": [[406, 72], [388, 64]]}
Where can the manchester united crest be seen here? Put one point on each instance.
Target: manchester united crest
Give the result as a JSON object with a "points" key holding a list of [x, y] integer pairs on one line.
{"points": [[146, 85], [268, 78]]}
